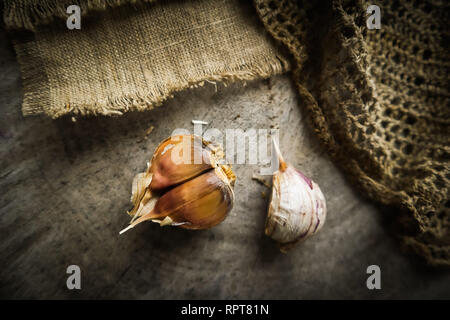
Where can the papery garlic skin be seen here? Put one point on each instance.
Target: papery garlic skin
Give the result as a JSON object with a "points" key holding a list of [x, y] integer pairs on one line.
{"points": [[297, 207]]}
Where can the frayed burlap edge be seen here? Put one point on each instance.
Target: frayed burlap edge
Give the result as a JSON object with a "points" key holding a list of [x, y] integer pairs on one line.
{"points": [[34, 79], [19, 16], [37, 92]]}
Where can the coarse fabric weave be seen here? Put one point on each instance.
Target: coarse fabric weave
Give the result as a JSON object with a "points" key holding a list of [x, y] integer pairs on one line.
{"points": [[379, 101], [29, 14], [135, 57]]}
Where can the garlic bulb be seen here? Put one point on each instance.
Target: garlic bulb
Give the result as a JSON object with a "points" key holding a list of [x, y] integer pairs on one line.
{"points": [[297, 207], [192, 195]]}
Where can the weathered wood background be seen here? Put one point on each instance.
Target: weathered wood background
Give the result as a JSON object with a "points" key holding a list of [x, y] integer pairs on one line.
{"points": [[65, 188]]}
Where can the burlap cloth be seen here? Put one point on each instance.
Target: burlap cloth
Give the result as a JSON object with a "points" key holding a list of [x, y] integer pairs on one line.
{"points": [[135, 57], [378, 99]]}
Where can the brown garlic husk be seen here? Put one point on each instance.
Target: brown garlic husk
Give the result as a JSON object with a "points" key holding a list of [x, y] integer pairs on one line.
{"points": [[189, 194], [297, 208]]}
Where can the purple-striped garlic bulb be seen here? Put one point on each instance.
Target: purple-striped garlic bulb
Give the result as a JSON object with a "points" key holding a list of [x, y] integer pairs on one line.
{"points": [[297, 207]]}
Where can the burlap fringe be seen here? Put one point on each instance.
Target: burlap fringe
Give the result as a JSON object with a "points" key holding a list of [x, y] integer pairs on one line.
{"points": [[260, 67], [264, 69], [40, 12]]}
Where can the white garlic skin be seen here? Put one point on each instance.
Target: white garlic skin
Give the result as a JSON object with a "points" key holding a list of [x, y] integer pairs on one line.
{"points": [[297, 208]]}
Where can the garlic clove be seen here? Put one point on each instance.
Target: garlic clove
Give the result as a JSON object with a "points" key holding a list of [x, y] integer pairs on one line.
{"points": [[179, 192], [199, 203], [185, 149], [297, 208], [163, 172]]}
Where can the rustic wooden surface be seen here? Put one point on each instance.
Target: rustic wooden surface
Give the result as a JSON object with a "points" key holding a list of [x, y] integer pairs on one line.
{"points": [[65, 188]]}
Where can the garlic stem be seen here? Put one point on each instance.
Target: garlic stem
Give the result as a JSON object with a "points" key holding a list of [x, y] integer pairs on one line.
{"points": [[282, 164]]}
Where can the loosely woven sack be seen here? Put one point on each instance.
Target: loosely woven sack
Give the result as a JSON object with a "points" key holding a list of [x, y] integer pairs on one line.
{"points": [[135, 57], [380, 103]]}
